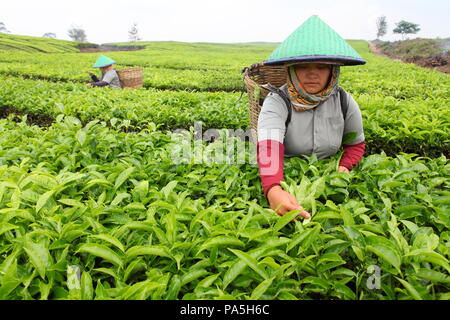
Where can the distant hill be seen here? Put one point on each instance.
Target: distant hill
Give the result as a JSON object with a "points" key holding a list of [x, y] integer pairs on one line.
{"points": [[47, 45], [38, 44]]}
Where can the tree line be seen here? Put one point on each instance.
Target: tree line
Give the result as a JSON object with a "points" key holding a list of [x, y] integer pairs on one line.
{"points": [[77, 33], [403, 27]]}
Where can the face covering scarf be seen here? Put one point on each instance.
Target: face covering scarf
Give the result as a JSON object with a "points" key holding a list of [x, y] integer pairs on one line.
{"points": [[301, 100]]}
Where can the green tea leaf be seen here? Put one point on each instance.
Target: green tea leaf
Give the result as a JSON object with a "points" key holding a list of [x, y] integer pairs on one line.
{"points": [[148, 250], [142, 189], [432, 275], [174, 288], [208, 281], [284, 220], [39, 256], [261, 289], [110, 239], [385, 249], [123, 176], [193, 275], [344, 292], [169, 188], [251, 262], [87, 289], [310, 238], [412, 227], [5, 227], [347, 217], [430, 256], [238, 266], [81, 137], [233, 272], [412, 291], [100, 182], [140, 290], [102, 252], [220, 241], [119, 198], [43, 200], [71, 202]]}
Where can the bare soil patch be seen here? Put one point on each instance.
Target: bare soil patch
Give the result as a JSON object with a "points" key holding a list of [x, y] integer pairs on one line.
{"points": [[438, 62], [111, 48], [40, 120]]}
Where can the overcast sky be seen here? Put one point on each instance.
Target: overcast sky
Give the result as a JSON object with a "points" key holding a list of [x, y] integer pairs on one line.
{"points": [[219, 21]]}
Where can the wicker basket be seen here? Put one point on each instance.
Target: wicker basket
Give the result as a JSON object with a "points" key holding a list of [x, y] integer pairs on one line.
{"points": [[130, 78], [255, 77]]}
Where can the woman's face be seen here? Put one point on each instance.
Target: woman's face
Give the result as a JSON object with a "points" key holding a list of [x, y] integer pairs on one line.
{"points": [[104, 69], [313, 77]]}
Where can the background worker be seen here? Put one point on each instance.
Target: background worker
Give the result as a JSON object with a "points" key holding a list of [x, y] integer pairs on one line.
{"points": [[109, 76]]}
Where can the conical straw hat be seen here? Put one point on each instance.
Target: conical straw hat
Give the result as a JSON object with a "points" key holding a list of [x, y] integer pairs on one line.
{"points": [[315, 41], [103, 61]]}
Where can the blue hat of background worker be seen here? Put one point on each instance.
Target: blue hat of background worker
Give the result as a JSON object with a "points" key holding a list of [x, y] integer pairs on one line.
{"points": [[103, 61]]}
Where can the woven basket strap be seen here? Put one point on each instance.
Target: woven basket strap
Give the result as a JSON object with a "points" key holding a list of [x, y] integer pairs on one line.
{"points": [[344, 102], [286, 99]]}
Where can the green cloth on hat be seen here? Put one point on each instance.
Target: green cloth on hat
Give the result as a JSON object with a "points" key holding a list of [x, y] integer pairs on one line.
{"points": [[103, 61], [313, 41]]}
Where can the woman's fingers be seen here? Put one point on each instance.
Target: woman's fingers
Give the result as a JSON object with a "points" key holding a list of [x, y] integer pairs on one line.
{"points": [[305, 214], [293, 200], [285, 202], [288, 207], [284, 208], [343, 169], [295, 203]]}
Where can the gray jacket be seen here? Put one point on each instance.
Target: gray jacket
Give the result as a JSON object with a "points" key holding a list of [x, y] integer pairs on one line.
{"points": [[112, 78], [318, 131]]}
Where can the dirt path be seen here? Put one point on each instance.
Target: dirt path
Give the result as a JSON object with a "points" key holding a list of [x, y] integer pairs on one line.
{"points": [[377, 51]]}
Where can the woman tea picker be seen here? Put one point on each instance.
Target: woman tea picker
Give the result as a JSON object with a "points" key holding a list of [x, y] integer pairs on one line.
{"points": [[109, 75], [321, 115]]}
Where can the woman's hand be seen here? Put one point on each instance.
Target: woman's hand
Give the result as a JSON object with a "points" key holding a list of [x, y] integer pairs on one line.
{"points": [[284, 202], [343, 169]]}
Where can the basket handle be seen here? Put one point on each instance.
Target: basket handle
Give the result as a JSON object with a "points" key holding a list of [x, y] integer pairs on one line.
{"points": [[246, 70]]}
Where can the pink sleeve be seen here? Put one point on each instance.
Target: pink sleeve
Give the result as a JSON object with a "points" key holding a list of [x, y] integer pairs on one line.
{"points": [[352, 155], [270, 156]]}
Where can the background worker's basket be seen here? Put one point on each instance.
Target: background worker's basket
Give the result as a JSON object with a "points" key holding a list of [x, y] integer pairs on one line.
{"points": [[255, 77], [130, 78]]}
